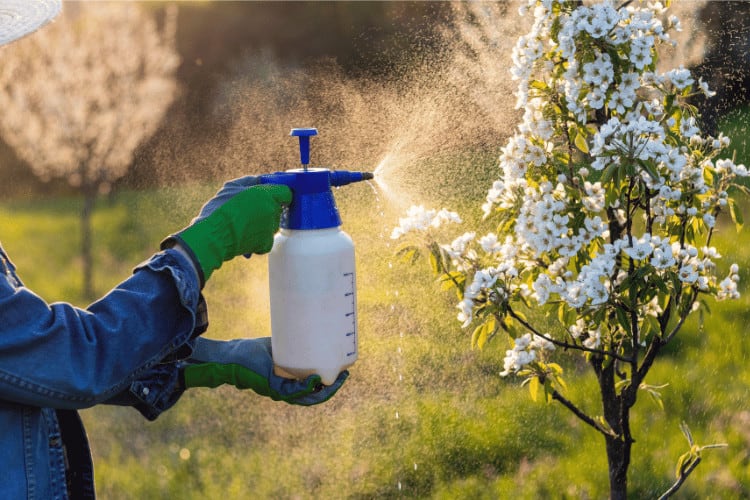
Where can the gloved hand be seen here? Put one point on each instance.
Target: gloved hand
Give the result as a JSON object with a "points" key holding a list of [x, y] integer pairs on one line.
{"points": [[241, 218], [248, 364]]}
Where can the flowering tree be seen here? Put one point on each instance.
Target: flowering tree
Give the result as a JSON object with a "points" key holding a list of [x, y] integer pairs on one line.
{"points": [[79, 96], [605, 209]]}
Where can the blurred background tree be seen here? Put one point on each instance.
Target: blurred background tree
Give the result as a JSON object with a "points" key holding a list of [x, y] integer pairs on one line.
{"points": [[80, 96]]}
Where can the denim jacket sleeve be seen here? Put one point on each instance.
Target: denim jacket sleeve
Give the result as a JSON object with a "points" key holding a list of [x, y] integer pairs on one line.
{"points": [[121, 348]]}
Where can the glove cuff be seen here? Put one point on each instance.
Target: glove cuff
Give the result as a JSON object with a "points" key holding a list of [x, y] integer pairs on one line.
{"points": [[207, 240], [172, 240]]}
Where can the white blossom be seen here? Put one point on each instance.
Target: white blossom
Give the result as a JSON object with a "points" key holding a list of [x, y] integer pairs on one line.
{"points": [[594, 339], [419, 219], [681, 78], [524, 352]]}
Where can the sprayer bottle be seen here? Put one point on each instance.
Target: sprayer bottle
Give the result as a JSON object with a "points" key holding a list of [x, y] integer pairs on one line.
{"points": [[311, 272]]}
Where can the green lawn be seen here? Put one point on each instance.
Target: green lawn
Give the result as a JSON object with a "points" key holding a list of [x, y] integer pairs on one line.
{"points": [[422, 414]]}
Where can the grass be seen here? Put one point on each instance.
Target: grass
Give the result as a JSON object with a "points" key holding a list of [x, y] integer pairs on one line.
{"points": [[422, 416], [735, 125]]}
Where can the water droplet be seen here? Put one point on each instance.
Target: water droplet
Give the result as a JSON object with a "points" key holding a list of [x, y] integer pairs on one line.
{"points": [[397, 416], [415, 466], [399, 486]]}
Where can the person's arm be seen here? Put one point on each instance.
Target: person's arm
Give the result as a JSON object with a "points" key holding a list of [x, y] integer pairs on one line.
{"points": [[60, 356]]}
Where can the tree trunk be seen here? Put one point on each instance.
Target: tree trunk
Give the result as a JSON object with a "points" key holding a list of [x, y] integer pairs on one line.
{"points": [[618, 460], [89, 197], [617, 414]]}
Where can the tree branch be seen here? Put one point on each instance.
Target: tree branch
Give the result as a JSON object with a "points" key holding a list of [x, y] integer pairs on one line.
{"points": [[560, 343], [578, 412], [684, 473]]}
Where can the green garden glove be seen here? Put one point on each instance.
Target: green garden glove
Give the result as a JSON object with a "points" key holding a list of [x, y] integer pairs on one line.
{"points": [[248, 364], [240, 219]]}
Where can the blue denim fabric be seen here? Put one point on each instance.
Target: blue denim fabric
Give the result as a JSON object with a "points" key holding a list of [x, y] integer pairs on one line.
{"points": [[55, 359]]}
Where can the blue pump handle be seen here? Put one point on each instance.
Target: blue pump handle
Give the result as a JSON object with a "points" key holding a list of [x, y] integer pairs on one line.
{"points": [[304, 135]]}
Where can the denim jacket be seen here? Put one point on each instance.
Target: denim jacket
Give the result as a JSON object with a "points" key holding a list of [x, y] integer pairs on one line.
{"points": [[56, 359]]}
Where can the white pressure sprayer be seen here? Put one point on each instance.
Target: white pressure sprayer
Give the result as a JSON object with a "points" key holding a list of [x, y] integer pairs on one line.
{"points": [[311, 274]]}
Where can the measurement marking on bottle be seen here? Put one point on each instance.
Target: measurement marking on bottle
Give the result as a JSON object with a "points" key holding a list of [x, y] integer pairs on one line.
{"points": [[352, 314]]}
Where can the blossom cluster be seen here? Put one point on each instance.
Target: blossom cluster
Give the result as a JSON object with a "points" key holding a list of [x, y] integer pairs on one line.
{"points": [[601, 63], [419, 218], [608, 178], [728, 286], [526, 350]]}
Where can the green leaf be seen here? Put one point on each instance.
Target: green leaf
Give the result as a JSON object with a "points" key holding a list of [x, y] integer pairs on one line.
{"points": [[580, 142], [621, 385], [434, 263], [534, 388], [561, 313], [683, 462], [483, 332], [622, 318], [560, 382], [608, 173], [669, 101], [409, 253], [653, 391], [556, 369], [539, 85], [604, 426], [475, 335], [653, 324], [709, 177], [650, 169], [452, 279], [736, 214], [521, 316]]}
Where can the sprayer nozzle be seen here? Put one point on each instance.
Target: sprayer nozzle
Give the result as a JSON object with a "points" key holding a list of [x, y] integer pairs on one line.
{"points": [[344, 177], [367, 176]]}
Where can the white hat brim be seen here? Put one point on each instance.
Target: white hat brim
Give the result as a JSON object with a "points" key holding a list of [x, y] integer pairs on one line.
{"points": [[21, 17]]}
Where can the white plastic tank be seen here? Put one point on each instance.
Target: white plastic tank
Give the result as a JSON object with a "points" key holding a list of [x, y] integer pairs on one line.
{"points": [[313, 303], [311, 274]]}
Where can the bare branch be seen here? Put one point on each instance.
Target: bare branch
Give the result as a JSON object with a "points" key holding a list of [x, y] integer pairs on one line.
{"points": [[684, 473], [579, 413], [563, 344]]}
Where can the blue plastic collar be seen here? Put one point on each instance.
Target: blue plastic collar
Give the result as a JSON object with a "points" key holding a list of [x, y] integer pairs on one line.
{"points": [[313, 205]]}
